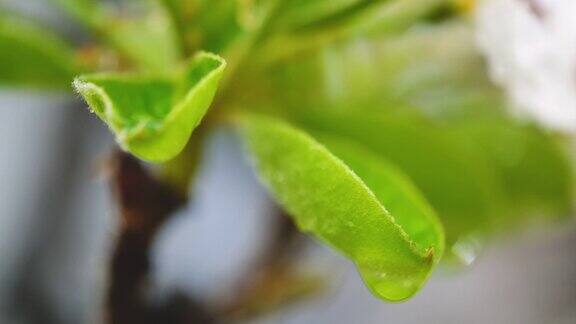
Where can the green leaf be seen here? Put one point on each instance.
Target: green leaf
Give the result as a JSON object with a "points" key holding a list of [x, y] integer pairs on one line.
{"points": [[153, 117], [32, 56], [149, 40], [535, 168], [217, 24], [212, 25], [414, 70], [366, 18], [181, 13], [352, 200], [302, 13], [452, 173]]}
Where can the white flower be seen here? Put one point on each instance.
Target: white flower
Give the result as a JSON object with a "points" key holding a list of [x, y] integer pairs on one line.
{"points": [[530, 46]]}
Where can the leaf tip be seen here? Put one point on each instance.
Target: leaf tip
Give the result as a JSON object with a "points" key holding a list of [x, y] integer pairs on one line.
{"points": [[92, 94]]}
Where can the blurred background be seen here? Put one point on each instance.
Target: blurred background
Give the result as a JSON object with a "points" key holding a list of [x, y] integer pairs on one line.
{"points": [[57, 226]]}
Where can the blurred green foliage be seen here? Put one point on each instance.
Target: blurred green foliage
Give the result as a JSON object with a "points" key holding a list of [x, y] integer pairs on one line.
{"points": [[30, 56], [372, 122]]}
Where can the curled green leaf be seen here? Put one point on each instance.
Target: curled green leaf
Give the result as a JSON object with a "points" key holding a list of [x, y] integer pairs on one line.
{"points": [[153, 117], [352, 200]]}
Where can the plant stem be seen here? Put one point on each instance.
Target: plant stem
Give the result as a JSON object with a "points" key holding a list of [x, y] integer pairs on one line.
{"points": [[239, 52], [144, 205], [180, 14]]}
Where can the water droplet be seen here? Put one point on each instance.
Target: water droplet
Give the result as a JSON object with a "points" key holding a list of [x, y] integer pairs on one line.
{"points": [[467, 249]]}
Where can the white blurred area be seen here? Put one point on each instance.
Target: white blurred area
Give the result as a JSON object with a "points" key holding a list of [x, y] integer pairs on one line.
{"points": [[56, 226], [54, 219], [531, 50]]}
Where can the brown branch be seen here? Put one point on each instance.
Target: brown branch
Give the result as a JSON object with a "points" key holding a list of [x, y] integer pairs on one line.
{"points": [[144, 206]]}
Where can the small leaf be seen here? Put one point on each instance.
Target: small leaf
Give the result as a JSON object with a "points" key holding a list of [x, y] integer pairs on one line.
{"points": [[367, 210], [31, 56], [153, 118]]}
